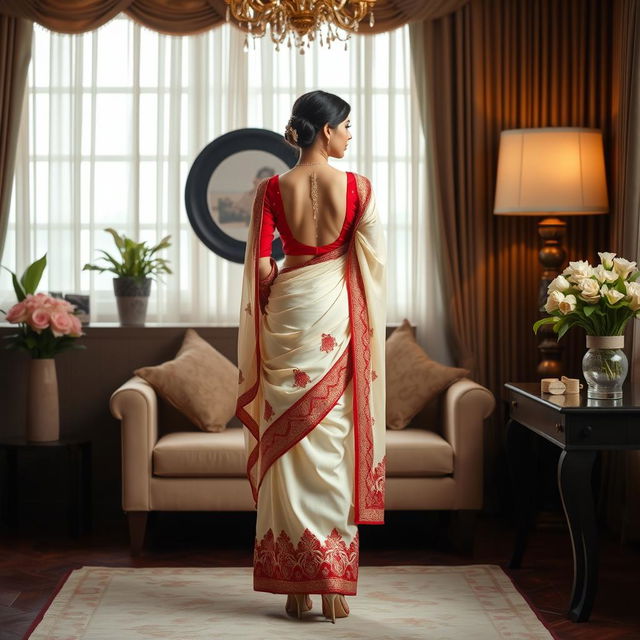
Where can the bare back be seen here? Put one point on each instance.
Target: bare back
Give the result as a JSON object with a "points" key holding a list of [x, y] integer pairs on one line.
{"points": [[296, 186]]}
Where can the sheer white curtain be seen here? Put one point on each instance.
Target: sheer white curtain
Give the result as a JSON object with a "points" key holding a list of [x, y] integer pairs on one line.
{"points": [[114, 118]]}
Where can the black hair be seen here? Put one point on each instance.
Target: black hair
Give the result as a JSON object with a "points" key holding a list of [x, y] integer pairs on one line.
{"points": [[310, 112]]}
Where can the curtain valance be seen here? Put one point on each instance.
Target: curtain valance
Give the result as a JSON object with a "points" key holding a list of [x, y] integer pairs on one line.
{"points": [[184, 17]]}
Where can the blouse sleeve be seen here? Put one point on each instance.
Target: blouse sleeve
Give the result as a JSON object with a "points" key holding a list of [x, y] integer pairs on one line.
{"points": [[268, 227]]}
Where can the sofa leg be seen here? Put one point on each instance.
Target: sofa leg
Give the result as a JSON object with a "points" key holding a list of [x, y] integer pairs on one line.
{"points": [[462, 530], [137, 527]]}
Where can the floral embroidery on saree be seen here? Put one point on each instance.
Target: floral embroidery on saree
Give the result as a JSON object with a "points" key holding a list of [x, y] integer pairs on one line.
{"points": [[328, 343], [300, 378], [312, 565]]}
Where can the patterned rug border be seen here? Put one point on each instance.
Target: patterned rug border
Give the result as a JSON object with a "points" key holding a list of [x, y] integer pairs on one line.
{"points": [[509, 573], [45, 607], [65, 576]]}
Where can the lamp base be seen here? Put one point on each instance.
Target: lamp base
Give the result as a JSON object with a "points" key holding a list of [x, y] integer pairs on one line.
{"points": [[552, 256]]}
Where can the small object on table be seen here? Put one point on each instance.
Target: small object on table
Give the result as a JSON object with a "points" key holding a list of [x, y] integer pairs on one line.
{"points": [[572, 384], [545, 382], [557, 387]]}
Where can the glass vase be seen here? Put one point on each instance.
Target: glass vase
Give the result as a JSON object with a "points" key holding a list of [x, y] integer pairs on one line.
{"points": [[605, 367]]}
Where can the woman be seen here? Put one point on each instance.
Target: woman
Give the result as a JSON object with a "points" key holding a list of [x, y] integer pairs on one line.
{"points": [[311, 359]]}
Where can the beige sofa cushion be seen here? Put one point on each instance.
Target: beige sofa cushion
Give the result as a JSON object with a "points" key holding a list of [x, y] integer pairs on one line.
{"points": [[197, 454], [200, 382], [418, 453], [412, 378], [410, 453]]}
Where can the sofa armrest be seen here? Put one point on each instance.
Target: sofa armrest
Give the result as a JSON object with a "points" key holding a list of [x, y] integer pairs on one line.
{"points": [[135, 404], [466, 404]]}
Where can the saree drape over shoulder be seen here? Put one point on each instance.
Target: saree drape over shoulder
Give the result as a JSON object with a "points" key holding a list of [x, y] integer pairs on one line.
{"points": [[312, 398]]}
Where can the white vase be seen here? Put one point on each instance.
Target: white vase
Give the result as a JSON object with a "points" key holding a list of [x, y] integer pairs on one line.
{"points": [[43, 413]]}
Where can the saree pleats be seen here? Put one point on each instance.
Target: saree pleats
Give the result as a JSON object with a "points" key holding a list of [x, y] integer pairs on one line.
{"points": [[312, 398]]}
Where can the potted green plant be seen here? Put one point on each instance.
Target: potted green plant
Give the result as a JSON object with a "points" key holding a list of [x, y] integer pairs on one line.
{"points": [[135, 268]]}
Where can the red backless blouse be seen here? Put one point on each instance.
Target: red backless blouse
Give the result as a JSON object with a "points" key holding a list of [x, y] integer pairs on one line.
{"points": [[273, 218]]}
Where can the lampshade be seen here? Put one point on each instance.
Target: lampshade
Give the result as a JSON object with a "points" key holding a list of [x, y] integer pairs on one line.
{"points": [[556, 170]]}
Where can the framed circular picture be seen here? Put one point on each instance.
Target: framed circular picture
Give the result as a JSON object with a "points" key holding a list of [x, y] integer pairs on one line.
{"points": [[221, 187]]}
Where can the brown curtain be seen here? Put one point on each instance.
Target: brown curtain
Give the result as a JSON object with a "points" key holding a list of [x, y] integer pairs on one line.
{"points": [[15, 53], [494, 65], [621, 475], [193, 16]]}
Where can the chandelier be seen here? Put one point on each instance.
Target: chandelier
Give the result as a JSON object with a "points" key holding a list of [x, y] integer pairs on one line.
{"points": [[300, 22]]}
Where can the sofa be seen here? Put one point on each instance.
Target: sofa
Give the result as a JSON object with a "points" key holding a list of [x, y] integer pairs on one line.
{"points": [[435, 463]]}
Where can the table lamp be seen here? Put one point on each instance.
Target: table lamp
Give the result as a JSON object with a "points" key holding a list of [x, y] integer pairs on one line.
{"points": [[551, 170]]}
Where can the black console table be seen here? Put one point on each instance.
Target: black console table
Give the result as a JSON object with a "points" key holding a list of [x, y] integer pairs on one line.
{"points": [[580, 427], [73, 457]]}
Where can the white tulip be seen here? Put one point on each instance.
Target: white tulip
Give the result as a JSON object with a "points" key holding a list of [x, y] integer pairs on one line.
{"points": [[590, 290], [558, 284], [604, 275], [578, 270], [553, 301], [567, 304], [633, 295], [612, 295], [624, 267], [607, 259]]}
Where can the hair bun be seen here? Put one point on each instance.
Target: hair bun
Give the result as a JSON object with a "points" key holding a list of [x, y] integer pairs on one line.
{"points": [[300, 132]]}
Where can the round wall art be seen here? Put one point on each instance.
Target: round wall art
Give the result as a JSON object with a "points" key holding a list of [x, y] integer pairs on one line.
{"points": [[221, 186]]}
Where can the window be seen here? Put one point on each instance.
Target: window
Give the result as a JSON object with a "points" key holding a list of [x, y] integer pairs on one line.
{"points": [[115, 117]]}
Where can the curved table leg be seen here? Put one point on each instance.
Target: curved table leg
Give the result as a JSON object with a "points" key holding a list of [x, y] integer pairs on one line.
{"points": [[520, 455], [574, 481]]}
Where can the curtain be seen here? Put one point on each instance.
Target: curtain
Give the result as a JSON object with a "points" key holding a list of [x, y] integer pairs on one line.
{"points": [[15, 52], [117, 116], [621, 473], [195, 16], [490, 66]]}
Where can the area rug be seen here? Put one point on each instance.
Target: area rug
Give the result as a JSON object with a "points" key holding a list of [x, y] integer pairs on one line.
{"points": [[476, 602]]}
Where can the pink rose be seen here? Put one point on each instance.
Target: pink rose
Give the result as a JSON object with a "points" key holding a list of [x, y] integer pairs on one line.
{"points": [[76, 326], [31, 302], [18, 313], [63, 305], [60, 323], [39, 320]]}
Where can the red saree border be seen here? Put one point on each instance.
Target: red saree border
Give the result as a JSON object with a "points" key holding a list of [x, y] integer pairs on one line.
{"points": [[305, 413], [328, 585], [250, 394], [368, 482]]}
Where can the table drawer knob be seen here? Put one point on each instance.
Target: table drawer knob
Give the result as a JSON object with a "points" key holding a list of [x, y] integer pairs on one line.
{"points": [[514, 404], [585, 432], [559, 427]]}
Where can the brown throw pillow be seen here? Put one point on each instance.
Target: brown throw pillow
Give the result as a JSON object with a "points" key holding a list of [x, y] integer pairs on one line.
{"points": [[412, 377], [200, 382]]}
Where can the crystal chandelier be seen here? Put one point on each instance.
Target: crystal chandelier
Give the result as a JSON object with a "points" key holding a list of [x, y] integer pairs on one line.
{"points": [[300, 22]]}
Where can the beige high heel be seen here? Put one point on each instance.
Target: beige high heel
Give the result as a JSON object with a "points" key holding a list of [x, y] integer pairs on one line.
{"points": [[297, 603], [329, 601]]}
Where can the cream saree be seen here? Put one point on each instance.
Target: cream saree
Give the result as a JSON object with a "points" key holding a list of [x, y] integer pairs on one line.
{"points": [[312, 398]]}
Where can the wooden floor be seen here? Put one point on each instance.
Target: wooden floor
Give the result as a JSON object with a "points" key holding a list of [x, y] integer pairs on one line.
{"points": [[32, 563]]}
